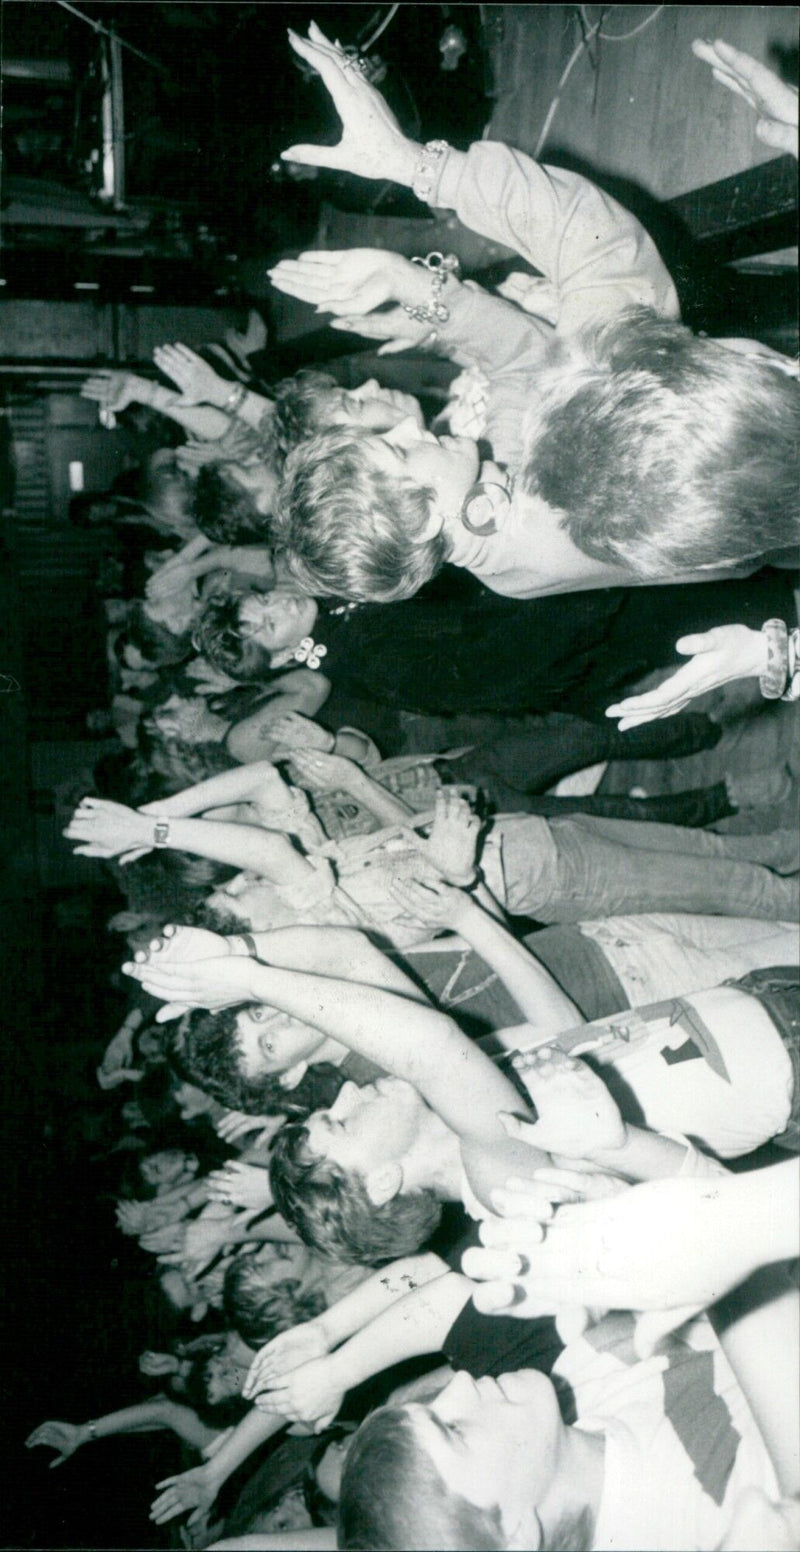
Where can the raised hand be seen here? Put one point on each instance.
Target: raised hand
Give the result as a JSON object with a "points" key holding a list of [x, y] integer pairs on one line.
{"points": [[240, 1185], [394, 326], [235, 1125], [212, 983], [354, 281], [649, 1248], [452, 843], [107, 829], [116, 390], [372, 144], [294, 731], [183, 946], [323, 772], [577, 1115], [285, 1352], [432, 904], [66, 1438], [193, 1490], [156, 1364], [197, 381], [774, 101], [727, 652], [311, 1394], [147, 1217]]}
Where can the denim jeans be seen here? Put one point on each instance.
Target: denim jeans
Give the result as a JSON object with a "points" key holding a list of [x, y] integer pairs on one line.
{"points": [[571, 870]]}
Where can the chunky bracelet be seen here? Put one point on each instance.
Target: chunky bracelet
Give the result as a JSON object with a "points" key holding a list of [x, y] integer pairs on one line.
{"points": [[427, 168], [235, 399], [160, 832], [792, 690], [773, 681], [440, 266]]}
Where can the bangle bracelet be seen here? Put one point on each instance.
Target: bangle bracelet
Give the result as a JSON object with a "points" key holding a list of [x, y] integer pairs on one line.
{"points": [[773, 681], [160, 832], [249, 943], [427, 167], [441, 266], [92, 1427], [235, 399]]}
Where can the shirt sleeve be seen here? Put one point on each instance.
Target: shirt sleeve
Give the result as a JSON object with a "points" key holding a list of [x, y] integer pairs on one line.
{"points": [[596, 254]]}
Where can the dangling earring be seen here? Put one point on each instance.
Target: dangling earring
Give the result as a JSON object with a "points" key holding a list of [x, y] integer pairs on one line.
{"points": [[484, 507]]}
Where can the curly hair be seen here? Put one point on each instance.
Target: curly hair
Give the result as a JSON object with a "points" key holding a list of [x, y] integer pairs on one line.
{"points": [[331, 1210], [218, 638], [688, 450], [302, 408], [224, 511], [259, 1310], [207, 1054], [349, 530], [393, 1496]]}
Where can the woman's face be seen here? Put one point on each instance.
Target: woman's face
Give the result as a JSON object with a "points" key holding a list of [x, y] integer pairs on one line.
{"points": [[372, 407], [448, 465], [495, 1442], [278, 1263], [189, 719], [164, 1169], [279, 619], [272, 1042]]}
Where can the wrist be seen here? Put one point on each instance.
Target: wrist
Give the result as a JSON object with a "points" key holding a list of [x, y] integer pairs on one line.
{"points": [[87, 1432], [615, 1153], [404, 159]]}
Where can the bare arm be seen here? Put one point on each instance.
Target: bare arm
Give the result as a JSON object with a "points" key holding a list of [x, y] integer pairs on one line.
{"points": [[299, 690], [341, 952]]}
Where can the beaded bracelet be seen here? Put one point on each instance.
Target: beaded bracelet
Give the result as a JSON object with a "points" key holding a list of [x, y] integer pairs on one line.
{"points": [[773, 681], [427, 167], [440, 266]]}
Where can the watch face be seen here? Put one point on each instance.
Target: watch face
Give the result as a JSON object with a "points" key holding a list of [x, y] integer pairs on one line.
{"points": [[161, 832]]}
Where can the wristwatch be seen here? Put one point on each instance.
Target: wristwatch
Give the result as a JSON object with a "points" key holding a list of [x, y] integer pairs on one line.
{"points": [[161, 832]]}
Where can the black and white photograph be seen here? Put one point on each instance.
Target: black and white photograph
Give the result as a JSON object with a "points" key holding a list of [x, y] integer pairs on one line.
{"points": [[399, 683]]}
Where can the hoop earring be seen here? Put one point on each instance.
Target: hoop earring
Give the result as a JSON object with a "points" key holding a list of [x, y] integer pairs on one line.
{"points": [[484, 507]]}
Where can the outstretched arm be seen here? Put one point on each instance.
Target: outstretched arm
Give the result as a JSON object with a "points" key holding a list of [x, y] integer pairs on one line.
{"points": [[196, 1490], [318, 1337], [414, 1325], [456, 1078], [145, 1417], [596, 253], [539, 997]]}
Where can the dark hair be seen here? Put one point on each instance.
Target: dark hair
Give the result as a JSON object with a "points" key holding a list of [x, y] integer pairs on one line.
{"points": [[349, 530], [258, 1311], [224, 511], [394, 1500], [687, 452], [332, 1211], [208, 1056], [218, 638], [157, 644]]}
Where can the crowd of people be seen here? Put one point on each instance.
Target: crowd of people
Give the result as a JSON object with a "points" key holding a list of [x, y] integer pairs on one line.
{"points": [[461, 924]]}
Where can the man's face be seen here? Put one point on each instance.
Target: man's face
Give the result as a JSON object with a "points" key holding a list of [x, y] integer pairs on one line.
{"points": [[494, 1442], [368, 1127], [271, 1042]]}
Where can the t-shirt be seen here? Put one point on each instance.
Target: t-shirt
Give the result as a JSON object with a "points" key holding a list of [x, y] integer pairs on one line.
{"points": [[681, 1442]]}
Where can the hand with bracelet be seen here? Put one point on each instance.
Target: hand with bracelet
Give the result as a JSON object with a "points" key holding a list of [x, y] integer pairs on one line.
{"points": [[208, 983], [718, 657], [452, 843], [193, 377], [354, 281]]}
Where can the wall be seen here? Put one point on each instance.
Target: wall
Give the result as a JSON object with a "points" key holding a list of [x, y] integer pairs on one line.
{"points": [[651, 112]]}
